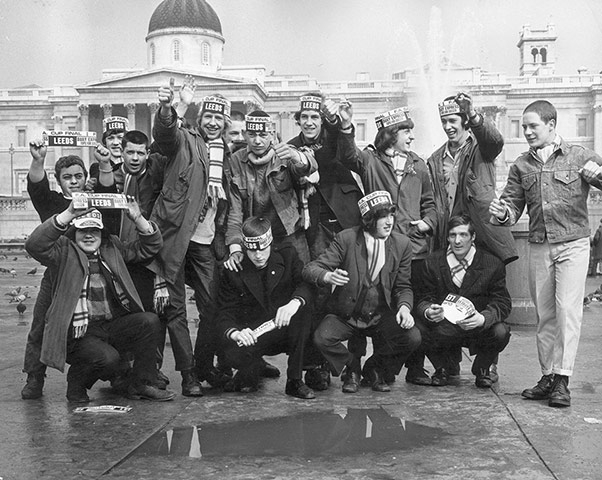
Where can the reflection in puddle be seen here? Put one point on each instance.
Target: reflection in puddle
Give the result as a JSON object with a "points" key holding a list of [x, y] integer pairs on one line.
{"points": [[308, 434]]}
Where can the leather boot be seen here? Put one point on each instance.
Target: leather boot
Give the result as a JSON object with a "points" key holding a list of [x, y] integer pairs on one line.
{"points": [[33, 387], [190, 385], [542, 390], [560, 396]]}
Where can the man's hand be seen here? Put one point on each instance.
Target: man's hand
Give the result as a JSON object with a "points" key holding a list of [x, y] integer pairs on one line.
{"points": [[329, 109], [404, 317], [244, 337], [187, 90], [591, 171], [234, 262], [38, 150], [499, 209], [165, 94], [338, 277], [133, 211], [286, 312], [345, 113], [102, 155], [421, 225], [286, 152], [434, 313], [474, 321], [465, 103]]}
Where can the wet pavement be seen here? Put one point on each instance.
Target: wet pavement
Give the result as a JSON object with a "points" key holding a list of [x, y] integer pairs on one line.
{"points": [[413, 432]]}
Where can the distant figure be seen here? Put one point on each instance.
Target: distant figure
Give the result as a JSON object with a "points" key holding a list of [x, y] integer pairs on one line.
{"points": [[596, 251]]}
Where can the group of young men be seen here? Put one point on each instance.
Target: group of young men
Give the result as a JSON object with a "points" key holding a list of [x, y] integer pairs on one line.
{"points": [[302, 246]]}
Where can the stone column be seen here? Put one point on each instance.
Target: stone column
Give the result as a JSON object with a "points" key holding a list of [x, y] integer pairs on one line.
{"points": [[131, 108], [598, 128], [84, 115], [58, 126], [154, 108], [107, 110]]}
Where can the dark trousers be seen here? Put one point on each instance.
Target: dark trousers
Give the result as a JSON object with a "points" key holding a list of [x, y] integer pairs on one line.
{"points": [[290, 340], [202, 275], [97, 354], [144, 281], [33, 347], [442, 339], [392, 344]]}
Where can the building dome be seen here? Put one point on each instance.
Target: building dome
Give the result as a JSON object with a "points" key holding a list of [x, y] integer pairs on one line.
{"points": [[196, 14]]}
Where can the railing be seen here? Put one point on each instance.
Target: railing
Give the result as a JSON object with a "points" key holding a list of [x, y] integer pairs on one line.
{"points": [[12, 204]]}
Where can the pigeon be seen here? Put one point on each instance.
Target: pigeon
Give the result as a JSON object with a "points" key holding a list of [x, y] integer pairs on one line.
{"points": [[21, 307], [33, 271], [4, 270], [15, 259], [13, 272], [19, 298], [15, 292]]}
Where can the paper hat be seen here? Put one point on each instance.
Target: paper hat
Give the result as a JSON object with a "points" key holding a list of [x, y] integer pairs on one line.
{"points": [[449, 107], [216, 105], [259, 124], [92, 219], [115, 123], [373, 201], [397, 116], [310, 102], [258, 243]]}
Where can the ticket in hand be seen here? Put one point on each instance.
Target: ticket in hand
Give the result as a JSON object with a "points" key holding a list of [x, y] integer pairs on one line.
{"points": [[263, 328], [100, 200], [69, 138], [457, 307], [103, 409]]}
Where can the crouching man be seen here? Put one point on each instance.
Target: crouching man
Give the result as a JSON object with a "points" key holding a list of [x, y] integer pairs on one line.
{"points": [[96, 313], [369, 266], [268, 287], [470, 272]]}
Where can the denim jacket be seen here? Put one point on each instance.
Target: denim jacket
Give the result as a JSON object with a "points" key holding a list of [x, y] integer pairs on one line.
{"points": [[554, 192]]}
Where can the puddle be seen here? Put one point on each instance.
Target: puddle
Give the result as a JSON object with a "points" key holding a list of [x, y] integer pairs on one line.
{"points": [[312, 434]]}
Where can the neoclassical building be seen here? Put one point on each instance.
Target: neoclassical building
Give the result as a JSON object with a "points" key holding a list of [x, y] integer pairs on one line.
{"points": [[185, 38]]}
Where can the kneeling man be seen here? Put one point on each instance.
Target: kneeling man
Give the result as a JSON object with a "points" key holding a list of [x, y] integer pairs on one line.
{"points": [[267, 288], [369, 266], [96, 313], [472, 273]]}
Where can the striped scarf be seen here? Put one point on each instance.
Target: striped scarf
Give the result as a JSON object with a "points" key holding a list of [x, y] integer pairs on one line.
{"points": [[376, 255], [458, 267], [81, 314], [308, 185], [215, 189]]}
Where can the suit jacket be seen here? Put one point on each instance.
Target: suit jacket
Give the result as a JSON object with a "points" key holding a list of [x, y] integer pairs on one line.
{"points": [[243, 299], [348, 252], [484, 285]]}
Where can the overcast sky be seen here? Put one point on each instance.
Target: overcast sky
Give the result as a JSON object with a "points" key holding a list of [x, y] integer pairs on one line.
{"points": [[52, 42]]}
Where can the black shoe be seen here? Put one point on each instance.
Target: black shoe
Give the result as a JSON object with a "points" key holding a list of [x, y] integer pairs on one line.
{"points": [[149, 392], [120, 383], [296, 388], [373, 378], [214, 377], [76, 393], [190, 385], [483, 378], [453, 369], [351, 381], [33, 387], [418, 376], [440, 378], [268, 370], [317, 378], [542, 390], [162, 380], [560, 396]]}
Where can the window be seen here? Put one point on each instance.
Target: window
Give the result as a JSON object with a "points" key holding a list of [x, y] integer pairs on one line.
{"points": [[534, 52], [360, 131], [152, 53], [582, 127], [205, 54], [21, 137], [515, 129], [176, 50], [544, 55], [22, 183]]}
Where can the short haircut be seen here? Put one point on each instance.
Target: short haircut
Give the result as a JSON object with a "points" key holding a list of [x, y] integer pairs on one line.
{"points": [[237, 116], [135, 137], [258, 113], [108, 133], [387, 137], [458, 220], [544, 109], [370, 218], [297, 114], [66, 162], [255, 226], [462, 115]]}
